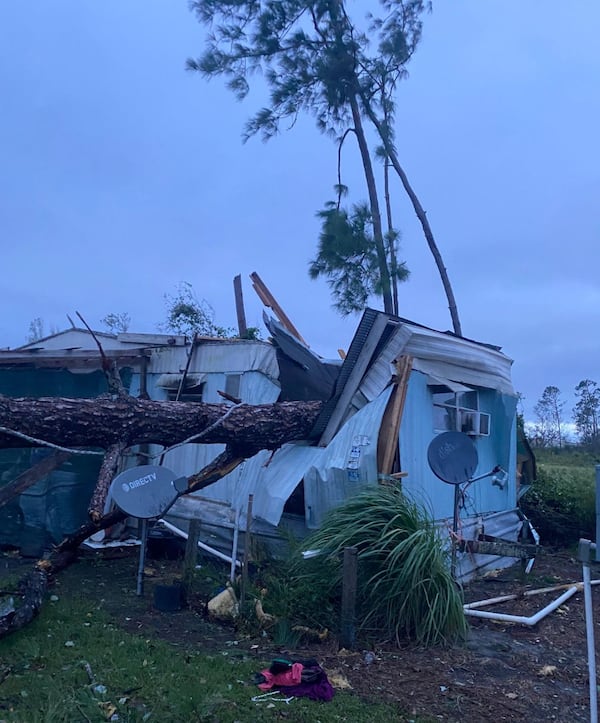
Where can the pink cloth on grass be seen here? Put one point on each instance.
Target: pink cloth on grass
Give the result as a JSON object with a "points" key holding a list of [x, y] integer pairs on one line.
{"points": [[293, 676]]}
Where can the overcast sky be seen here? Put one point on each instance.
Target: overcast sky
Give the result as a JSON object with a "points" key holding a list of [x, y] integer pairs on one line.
{"points": [[121, 175]]}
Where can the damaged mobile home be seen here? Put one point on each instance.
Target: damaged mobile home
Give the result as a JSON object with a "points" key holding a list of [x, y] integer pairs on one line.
{"points": [[399, 385]]}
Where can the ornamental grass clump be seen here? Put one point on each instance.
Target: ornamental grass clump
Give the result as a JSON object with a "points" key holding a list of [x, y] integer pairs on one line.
{"points": [[405, 589]]}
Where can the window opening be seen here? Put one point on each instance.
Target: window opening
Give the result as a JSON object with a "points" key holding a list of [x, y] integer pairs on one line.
{"points": [[459, 412], [295, 502], [233, 384], [188, 394]]}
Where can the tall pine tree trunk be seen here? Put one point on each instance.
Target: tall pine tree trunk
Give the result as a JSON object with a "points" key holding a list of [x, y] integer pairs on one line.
{"points": [[374, 205], [421, 215], [392, 237]]}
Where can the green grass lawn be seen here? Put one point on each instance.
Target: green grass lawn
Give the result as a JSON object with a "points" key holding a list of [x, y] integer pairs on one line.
{"points": [[74, 664]]}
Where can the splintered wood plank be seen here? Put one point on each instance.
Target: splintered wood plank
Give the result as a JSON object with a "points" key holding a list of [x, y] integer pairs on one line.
{"points": [[390, 425], [269, 301]]}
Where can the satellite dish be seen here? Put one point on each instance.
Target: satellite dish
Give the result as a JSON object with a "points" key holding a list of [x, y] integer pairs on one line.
{"points": [[452, 457], [146, 491]]}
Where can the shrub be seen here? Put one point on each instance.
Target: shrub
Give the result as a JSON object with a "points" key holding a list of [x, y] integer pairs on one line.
{"points": [[561, 504], [296, 592], [405, 589]]}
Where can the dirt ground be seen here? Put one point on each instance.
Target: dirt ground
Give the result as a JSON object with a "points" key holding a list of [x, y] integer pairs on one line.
{"points": [[504, 672]]}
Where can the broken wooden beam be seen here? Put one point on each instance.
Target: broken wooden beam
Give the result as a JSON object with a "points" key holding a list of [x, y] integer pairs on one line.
{"points": [[269, 301]]}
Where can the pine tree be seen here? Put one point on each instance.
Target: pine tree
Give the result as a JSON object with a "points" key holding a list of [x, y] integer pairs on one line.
{"points": [[315, 58]]}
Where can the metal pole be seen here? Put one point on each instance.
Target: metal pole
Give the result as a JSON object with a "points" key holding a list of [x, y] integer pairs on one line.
{"points": [[597, 550], [585, 554], [140, 574], [455, 530], [234, 546], [591, 650]]}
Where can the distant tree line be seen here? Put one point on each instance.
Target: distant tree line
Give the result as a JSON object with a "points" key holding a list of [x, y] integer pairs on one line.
{"points": [[551, 419]]}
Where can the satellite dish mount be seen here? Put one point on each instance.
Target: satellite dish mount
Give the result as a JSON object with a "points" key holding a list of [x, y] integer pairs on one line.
{"points": [[146, 492], [453, 458]]}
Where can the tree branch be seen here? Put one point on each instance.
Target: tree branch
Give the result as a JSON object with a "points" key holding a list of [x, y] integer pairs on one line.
{"points": [[32, 475], [107, 471], [115, 385]]}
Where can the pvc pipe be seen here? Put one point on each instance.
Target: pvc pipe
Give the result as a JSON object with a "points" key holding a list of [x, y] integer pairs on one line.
{"points": [[591, 650], [207, 548], [534, 619], [527, 593], [234, 546]]}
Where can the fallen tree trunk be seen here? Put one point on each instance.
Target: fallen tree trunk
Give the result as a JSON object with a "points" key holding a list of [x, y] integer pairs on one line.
{"points": [[114, 423], [106, 421]]}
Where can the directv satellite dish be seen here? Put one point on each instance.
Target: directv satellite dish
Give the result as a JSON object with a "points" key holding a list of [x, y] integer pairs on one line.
{"points": [[452, 457], [146, 491]]}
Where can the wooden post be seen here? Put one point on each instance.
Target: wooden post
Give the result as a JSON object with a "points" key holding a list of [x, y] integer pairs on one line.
{"points": [[191, 557], [244, 583], [239, 307], [349, 580]]}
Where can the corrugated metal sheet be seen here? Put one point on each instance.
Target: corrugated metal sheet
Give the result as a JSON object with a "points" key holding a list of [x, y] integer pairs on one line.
{"points": [[271, 478], [354, 352], [348, 465], [255, 388], [218, 357], [506, 525], [440, 355], [73, 339], [331, 474]]}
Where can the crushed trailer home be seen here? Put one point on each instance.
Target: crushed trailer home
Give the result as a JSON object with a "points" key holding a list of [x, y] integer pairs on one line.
{"points": [[399, 385]]}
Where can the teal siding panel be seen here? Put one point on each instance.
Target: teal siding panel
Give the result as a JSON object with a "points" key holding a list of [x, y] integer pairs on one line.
{"points": [[417, 431], [58, 503], [51, 383]]}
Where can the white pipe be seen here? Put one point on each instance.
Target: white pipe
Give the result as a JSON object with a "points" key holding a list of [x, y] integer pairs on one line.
{"points": [[591, 650], [527, 593], [534, 619], [207, 548], [234, 546]]}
